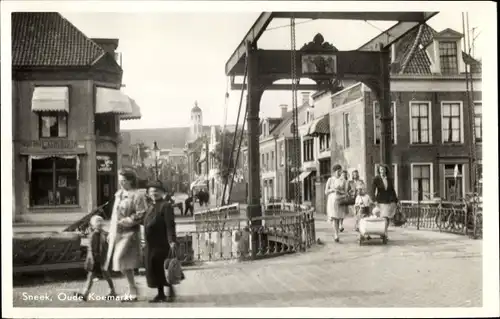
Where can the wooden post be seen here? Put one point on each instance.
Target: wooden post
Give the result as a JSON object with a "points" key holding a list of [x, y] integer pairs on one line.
{"points": [[254, 95], [385, 109]]}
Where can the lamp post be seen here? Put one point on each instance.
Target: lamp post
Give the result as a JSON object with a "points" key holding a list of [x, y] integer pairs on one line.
{"points": [[156, 154]]}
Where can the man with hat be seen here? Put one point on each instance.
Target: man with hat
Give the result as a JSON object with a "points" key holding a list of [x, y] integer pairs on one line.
{"points": [[160, 236]]}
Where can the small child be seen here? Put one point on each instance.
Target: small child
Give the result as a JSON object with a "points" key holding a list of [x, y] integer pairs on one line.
{"points": [[96, 257], [362, 205]]}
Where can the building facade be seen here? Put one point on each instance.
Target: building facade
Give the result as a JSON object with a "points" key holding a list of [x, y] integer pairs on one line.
{"points": [[67, 107], [433, 124]]}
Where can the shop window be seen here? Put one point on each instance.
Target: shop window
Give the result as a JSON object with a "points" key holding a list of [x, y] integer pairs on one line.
{"points": [[53, 124], [105, 124], [54, 182]]}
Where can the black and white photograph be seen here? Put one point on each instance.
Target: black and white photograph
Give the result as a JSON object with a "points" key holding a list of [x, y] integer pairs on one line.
{"points": [[249, 158]]}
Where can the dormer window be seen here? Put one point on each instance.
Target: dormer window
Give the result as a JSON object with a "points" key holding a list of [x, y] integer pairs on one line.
{"points": [[448, 57]]}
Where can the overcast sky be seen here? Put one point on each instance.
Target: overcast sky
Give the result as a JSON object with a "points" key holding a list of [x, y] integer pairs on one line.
{"points": [[171, 60]]}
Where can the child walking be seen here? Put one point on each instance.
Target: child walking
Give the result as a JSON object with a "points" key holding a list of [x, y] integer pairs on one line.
{"points": [[96, 256]]}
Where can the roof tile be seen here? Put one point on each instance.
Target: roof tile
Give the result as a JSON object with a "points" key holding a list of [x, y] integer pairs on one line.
{"points": [[47, 39]]}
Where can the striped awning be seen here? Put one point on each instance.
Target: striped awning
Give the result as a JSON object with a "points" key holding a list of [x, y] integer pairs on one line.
{"points": [[112, 101], [301, 177], [135, 114], [50, 99], [320, 126]]}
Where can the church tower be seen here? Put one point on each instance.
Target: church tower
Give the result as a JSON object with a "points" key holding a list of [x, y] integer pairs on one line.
{"points": [[196, 122]]}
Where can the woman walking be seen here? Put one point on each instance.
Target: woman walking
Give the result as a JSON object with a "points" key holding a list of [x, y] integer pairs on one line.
{"points": [[124, 253], [335, 191], [384, 195], [159, 229]]}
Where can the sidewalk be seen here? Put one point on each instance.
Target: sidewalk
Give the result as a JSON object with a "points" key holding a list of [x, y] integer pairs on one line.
{"points": [[416, 269]]}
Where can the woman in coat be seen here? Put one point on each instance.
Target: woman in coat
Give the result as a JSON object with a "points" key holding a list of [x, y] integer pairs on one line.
{"points": [[159, 231], [335, 190], [124, 252], [384, 194]]}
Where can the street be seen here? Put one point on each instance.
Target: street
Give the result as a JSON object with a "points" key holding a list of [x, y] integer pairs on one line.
{"points": [[416, 269]]}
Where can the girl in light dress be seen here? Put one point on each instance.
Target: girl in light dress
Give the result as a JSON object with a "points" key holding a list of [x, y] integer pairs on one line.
{"points": [[335, 190]]}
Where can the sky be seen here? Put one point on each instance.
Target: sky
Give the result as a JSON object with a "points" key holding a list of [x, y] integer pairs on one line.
{"points": [[172, 59]]}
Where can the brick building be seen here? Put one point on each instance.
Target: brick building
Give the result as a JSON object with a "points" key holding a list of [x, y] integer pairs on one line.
{"points": [[67, 107], [432, 125]]}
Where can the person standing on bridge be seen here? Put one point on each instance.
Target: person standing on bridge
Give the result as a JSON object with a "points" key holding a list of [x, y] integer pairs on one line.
{"points": [[124, 253], [160, 235], [384, 194], [335, 191]]}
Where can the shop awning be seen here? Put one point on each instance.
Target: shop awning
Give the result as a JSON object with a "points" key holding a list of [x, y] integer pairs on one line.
{"points": [[112, 101], [136, 112], [301, 177], [50, 99], [320, 126]]}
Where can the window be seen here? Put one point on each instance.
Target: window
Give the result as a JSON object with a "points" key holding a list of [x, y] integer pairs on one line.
{"points": [[347, 138], [324, 142], [451, 122], [325, 167], [393, 174], [453, 182], [105, 124], [54, 182], [448, 57], [267, 162], [308, 150], [53, 124], [420, 122], [262, 162], [272, 160], [282, 153], [378, 122], [478, 121], [479, 178], [421, 175]]}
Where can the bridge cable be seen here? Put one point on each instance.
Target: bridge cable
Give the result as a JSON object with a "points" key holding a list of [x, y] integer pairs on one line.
{"points": [[296, 141], [223, 202]]}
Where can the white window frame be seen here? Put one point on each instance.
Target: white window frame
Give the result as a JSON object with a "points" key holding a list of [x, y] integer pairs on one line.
{"points": [[394, 120], [482, 123], [346, 131], [394, 175], [431, 172], [461, 109], [429, 113], [460, 175]]}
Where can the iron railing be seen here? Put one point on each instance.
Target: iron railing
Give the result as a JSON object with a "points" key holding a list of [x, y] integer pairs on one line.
{"points": [[465, 218], [223, 234]]}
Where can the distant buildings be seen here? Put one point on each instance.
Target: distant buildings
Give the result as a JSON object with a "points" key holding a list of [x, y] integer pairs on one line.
{"points": [[67, 107]]}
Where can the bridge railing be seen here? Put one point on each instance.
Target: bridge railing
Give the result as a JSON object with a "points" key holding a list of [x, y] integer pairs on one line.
{"points": [[445, 216]]}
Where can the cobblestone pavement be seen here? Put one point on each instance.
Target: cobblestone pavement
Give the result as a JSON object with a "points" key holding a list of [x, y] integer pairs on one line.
{"points": [[416, 269]]}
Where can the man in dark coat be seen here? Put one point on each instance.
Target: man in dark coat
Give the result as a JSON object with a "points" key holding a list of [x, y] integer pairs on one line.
{"points": [[159, 230]]}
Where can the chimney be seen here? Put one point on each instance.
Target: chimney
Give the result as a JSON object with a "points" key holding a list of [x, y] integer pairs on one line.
{"points": [[284, 109], [305, 98]]}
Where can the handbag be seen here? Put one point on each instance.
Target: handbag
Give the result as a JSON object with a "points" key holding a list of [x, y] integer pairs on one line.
{"points": [[347, 200], [173, 269], [399, 218]]}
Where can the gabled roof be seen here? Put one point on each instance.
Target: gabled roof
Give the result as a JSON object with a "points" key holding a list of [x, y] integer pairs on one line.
{"points": [[287, 118], [47, 39], [411, 51]]}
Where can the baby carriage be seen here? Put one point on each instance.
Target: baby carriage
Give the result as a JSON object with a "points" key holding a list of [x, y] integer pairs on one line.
{"points": [[372, 226]]}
